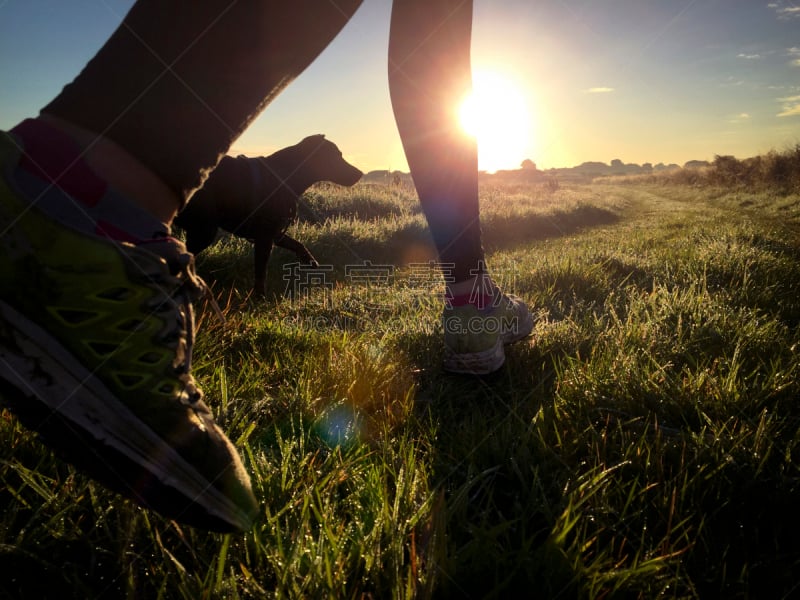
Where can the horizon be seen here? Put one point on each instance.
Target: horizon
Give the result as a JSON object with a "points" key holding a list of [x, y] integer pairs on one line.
{"points": [[640, 81], [608, 164]]}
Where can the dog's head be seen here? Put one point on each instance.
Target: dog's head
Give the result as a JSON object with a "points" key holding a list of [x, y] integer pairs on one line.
{"points": [[323, 161]]}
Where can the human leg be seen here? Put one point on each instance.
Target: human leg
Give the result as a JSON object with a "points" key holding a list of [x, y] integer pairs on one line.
{"points": [[178, 82], [429, 76], [96, 320]]}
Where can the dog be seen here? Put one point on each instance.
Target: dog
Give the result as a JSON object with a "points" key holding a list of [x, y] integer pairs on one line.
{"points": [[256, 198]]}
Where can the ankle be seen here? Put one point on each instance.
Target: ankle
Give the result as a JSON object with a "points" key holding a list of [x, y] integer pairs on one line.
{"points": [[479, 285], [52, 172], [121, 170]]}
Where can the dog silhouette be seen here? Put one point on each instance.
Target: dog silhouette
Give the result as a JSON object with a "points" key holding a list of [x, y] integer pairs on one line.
{"points": [[256, 198]]}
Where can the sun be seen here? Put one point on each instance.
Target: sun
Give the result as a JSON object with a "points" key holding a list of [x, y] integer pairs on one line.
{"points": [[496, 114]]}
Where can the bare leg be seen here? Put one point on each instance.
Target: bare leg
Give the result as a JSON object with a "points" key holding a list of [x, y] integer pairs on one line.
{"points": [[429, 74]]}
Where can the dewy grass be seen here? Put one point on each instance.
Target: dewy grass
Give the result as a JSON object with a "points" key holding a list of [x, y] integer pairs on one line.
{"points": [[643, 443]]}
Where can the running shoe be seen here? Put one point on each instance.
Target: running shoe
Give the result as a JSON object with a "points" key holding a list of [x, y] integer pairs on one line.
{"points": [[96, 341], [475, 333]]}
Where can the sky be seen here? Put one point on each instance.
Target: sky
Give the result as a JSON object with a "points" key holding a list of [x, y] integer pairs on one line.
{"points": [[658, 81]]}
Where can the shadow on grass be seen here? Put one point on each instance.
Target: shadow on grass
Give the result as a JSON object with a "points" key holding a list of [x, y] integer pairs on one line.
{"points": [[511, 231], [412, 242], [494, 471], [229, 262]]}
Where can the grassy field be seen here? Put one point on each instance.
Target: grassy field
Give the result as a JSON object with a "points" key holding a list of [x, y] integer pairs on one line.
{"points": [[643, 443]]}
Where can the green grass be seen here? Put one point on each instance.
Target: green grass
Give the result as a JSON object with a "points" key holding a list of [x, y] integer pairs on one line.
{"points": [[643, 443]]}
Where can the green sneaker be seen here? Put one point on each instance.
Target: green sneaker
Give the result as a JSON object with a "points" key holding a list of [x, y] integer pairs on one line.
{"points": [[96, 338], [475, 335]]}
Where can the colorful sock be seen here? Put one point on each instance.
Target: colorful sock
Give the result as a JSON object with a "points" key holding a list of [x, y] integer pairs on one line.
{"points": [[59, 182], [485, 299]]}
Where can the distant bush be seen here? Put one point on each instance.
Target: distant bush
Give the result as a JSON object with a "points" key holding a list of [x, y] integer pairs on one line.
{"points": [[775, 171]]}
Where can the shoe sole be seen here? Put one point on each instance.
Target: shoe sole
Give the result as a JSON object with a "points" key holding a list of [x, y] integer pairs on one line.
{"points": [[475, 363], [35, 365]]}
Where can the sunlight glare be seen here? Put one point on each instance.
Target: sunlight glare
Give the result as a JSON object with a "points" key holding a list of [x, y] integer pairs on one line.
{"points": [[495, 113]]}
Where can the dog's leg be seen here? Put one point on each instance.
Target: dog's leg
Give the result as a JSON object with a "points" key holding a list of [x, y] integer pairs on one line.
{"points": [[262, 250], [302, 253]]}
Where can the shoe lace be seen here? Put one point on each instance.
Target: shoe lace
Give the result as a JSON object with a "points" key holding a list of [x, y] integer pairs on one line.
{"points": [[177, 288]]}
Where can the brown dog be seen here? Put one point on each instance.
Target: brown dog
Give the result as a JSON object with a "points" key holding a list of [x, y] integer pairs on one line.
{"points": [[256, 198]]}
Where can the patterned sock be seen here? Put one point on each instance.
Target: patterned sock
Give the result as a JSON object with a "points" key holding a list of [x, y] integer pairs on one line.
{"points": [[56, 179]]}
